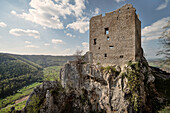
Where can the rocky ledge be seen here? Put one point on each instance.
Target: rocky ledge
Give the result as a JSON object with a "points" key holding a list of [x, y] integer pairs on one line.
{"points": [[92, 88]]}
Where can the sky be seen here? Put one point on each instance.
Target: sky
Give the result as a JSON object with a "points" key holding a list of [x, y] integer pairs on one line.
{"points": [[60, 27]]}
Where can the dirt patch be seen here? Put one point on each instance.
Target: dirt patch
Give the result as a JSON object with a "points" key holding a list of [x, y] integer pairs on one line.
{"points": [[22, 99]]}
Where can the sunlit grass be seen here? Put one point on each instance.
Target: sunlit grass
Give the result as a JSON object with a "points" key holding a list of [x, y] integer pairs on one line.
{"points": [[10, 100], [52, 73]]}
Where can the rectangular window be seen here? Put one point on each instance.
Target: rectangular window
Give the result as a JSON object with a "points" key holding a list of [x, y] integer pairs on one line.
{"points": [[111, 47], [105, 55], [121, 56], [108, 38], [94, 41], [106, 31]]}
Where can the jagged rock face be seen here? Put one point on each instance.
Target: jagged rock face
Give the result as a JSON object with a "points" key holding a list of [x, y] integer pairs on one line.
{"points": [[105, 89], [112, 89], [91, 88]]}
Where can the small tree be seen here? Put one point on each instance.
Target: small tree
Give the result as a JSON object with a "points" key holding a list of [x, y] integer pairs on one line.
{"points": [[78, 55], [165, 40]]}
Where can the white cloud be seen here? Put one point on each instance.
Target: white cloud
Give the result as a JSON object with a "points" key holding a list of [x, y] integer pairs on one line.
{"points": [[22, 32], [2, 24], [67, 51], [80, 25], [13, 12], [85, 46], [56, 41], [155, 30], [97, 10], [70, 35], [120, 1], [27, 42], [48, 13], [31, 46], [46, 44], [163, 5]]}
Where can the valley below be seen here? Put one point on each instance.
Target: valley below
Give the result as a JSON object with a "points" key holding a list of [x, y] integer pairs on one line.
{"points": [[20, 74]]}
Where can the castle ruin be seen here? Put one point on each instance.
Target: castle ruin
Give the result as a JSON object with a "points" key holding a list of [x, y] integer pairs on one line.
{"points": [[116, 37]]}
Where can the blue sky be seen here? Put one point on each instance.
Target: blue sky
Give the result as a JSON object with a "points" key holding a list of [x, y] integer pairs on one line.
{"points": [[60, 27]]}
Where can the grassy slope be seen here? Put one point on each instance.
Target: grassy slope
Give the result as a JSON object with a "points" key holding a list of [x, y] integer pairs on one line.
{"points": [[52, 73], [16, 72], [52, 66], [46, 60], [10, 100], [162, 85], [164, 65]]}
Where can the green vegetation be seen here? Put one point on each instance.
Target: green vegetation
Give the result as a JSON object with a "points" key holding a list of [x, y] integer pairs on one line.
{"points": [[52, 73], [47, 60], [162, 64], [10, 100], [18, 106], [163, 87], [133, 76], [111, 68], [34, 105], [16, 73], [165, 110]]}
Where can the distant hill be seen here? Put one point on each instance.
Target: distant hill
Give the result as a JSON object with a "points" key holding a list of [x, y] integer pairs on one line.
{"points": [[47, 60], [160, 63], [16, 72]]}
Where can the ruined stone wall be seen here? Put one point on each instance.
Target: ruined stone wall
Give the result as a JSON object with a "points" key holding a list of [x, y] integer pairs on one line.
{"points": [[113, 36], [138, 39]]}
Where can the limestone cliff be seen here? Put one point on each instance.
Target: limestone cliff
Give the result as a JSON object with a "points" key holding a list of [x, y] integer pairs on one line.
{"points": [[92, 88]]}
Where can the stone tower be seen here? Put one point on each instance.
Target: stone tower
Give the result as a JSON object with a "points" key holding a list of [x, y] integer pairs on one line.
{"points": [[116, 37]]}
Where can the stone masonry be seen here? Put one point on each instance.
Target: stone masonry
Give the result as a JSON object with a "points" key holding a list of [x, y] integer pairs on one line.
{"points": [[116, 37]]}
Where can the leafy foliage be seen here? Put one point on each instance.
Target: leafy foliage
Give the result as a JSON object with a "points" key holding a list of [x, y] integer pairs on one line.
{"points": [[52, 73], [10, 100], [165, 40], [163, 87], [16, 73], [47, 60], [34, 105], [133, 76]]}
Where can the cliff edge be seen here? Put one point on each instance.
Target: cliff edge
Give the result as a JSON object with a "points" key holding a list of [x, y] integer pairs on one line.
{"points": [[92, 88]]}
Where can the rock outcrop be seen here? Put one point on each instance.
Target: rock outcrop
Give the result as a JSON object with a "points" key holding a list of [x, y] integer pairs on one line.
{"points": [[92, 88], [111, 88]]}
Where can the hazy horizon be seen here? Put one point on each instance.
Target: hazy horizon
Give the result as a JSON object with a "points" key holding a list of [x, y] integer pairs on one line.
{"points": [[60, 27]]}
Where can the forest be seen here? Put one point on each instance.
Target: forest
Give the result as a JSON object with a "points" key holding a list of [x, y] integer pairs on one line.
{"points": [[20, 74], [17, 71]]}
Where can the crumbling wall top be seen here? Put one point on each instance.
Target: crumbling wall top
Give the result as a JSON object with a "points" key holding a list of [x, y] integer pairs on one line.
{"points": [[124, 9]]}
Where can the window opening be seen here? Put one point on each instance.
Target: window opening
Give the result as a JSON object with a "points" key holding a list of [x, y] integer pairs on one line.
{"points": [[117, 18], [94, 41], [106, 31], [99, 47], [105, 55], [108, 38], [111, 47], [121, 56]]}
